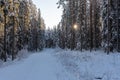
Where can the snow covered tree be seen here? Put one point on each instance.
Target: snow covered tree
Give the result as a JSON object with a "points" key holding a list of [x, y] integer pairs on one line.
{"points": [[19, 26], [40, 32], [111, 31], [36, 30], [49, 38], [118, 24], [2, 29]]}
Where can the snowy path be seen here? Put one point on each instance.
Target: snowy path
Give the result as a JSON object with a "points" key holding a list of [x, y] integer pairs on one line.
{"points": [[57, 64], [39, 66]]}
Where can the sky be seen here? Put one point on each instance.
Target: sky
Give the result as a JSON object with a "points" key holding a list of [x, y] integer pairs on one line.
{"points": [[49, 11]]}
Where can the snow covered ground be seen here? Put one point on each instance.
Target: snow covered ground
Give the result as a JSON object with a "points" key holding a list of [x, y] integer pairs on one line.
{"points": [[91, 66], [58, 64]]}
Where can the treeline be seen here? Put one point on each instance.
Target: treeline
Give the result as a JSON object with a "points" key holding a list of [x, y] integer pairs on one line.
{"points": [[21, 26], [88, 25]]}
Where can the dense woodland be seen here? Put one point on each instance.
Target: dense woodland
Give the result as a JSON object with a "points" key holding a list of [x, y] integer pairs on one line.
{"points": [[88, 25], [85, 25], [21, 27]]}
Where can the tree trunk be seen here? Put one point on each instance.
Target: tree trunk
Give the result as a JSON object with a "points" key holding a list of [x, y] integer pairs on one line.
{"points": [[91, 33]]}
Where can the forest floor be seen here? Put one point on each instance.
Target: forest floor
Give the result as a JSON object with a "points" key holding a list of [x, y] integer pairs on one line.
{"points": [[58, 64]]}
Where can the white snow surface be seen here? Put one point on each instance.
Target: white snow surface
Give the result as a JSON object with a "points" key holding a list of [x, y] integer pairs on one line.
{"points": [[58, 64]]}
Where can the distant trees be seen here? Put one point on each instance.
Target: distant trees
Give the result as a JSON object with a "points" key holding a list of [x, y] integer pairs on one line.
{"points": [[20, 27], [85, 14], [97, 25]]}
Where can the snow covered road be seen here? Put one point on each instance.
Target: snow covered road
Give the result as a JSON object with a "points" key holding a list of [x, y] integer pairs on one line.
{"points": [[39, 66], [58, 64]]}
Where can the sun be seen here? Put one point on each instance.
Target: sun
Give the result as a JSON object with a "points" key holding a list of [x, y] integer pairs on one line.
{"points": [[75, 26]]}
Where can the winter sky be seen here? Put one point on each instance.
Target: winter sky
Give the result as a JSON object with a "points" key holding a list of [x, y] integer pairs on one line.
{"points": [[49, 11]]}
